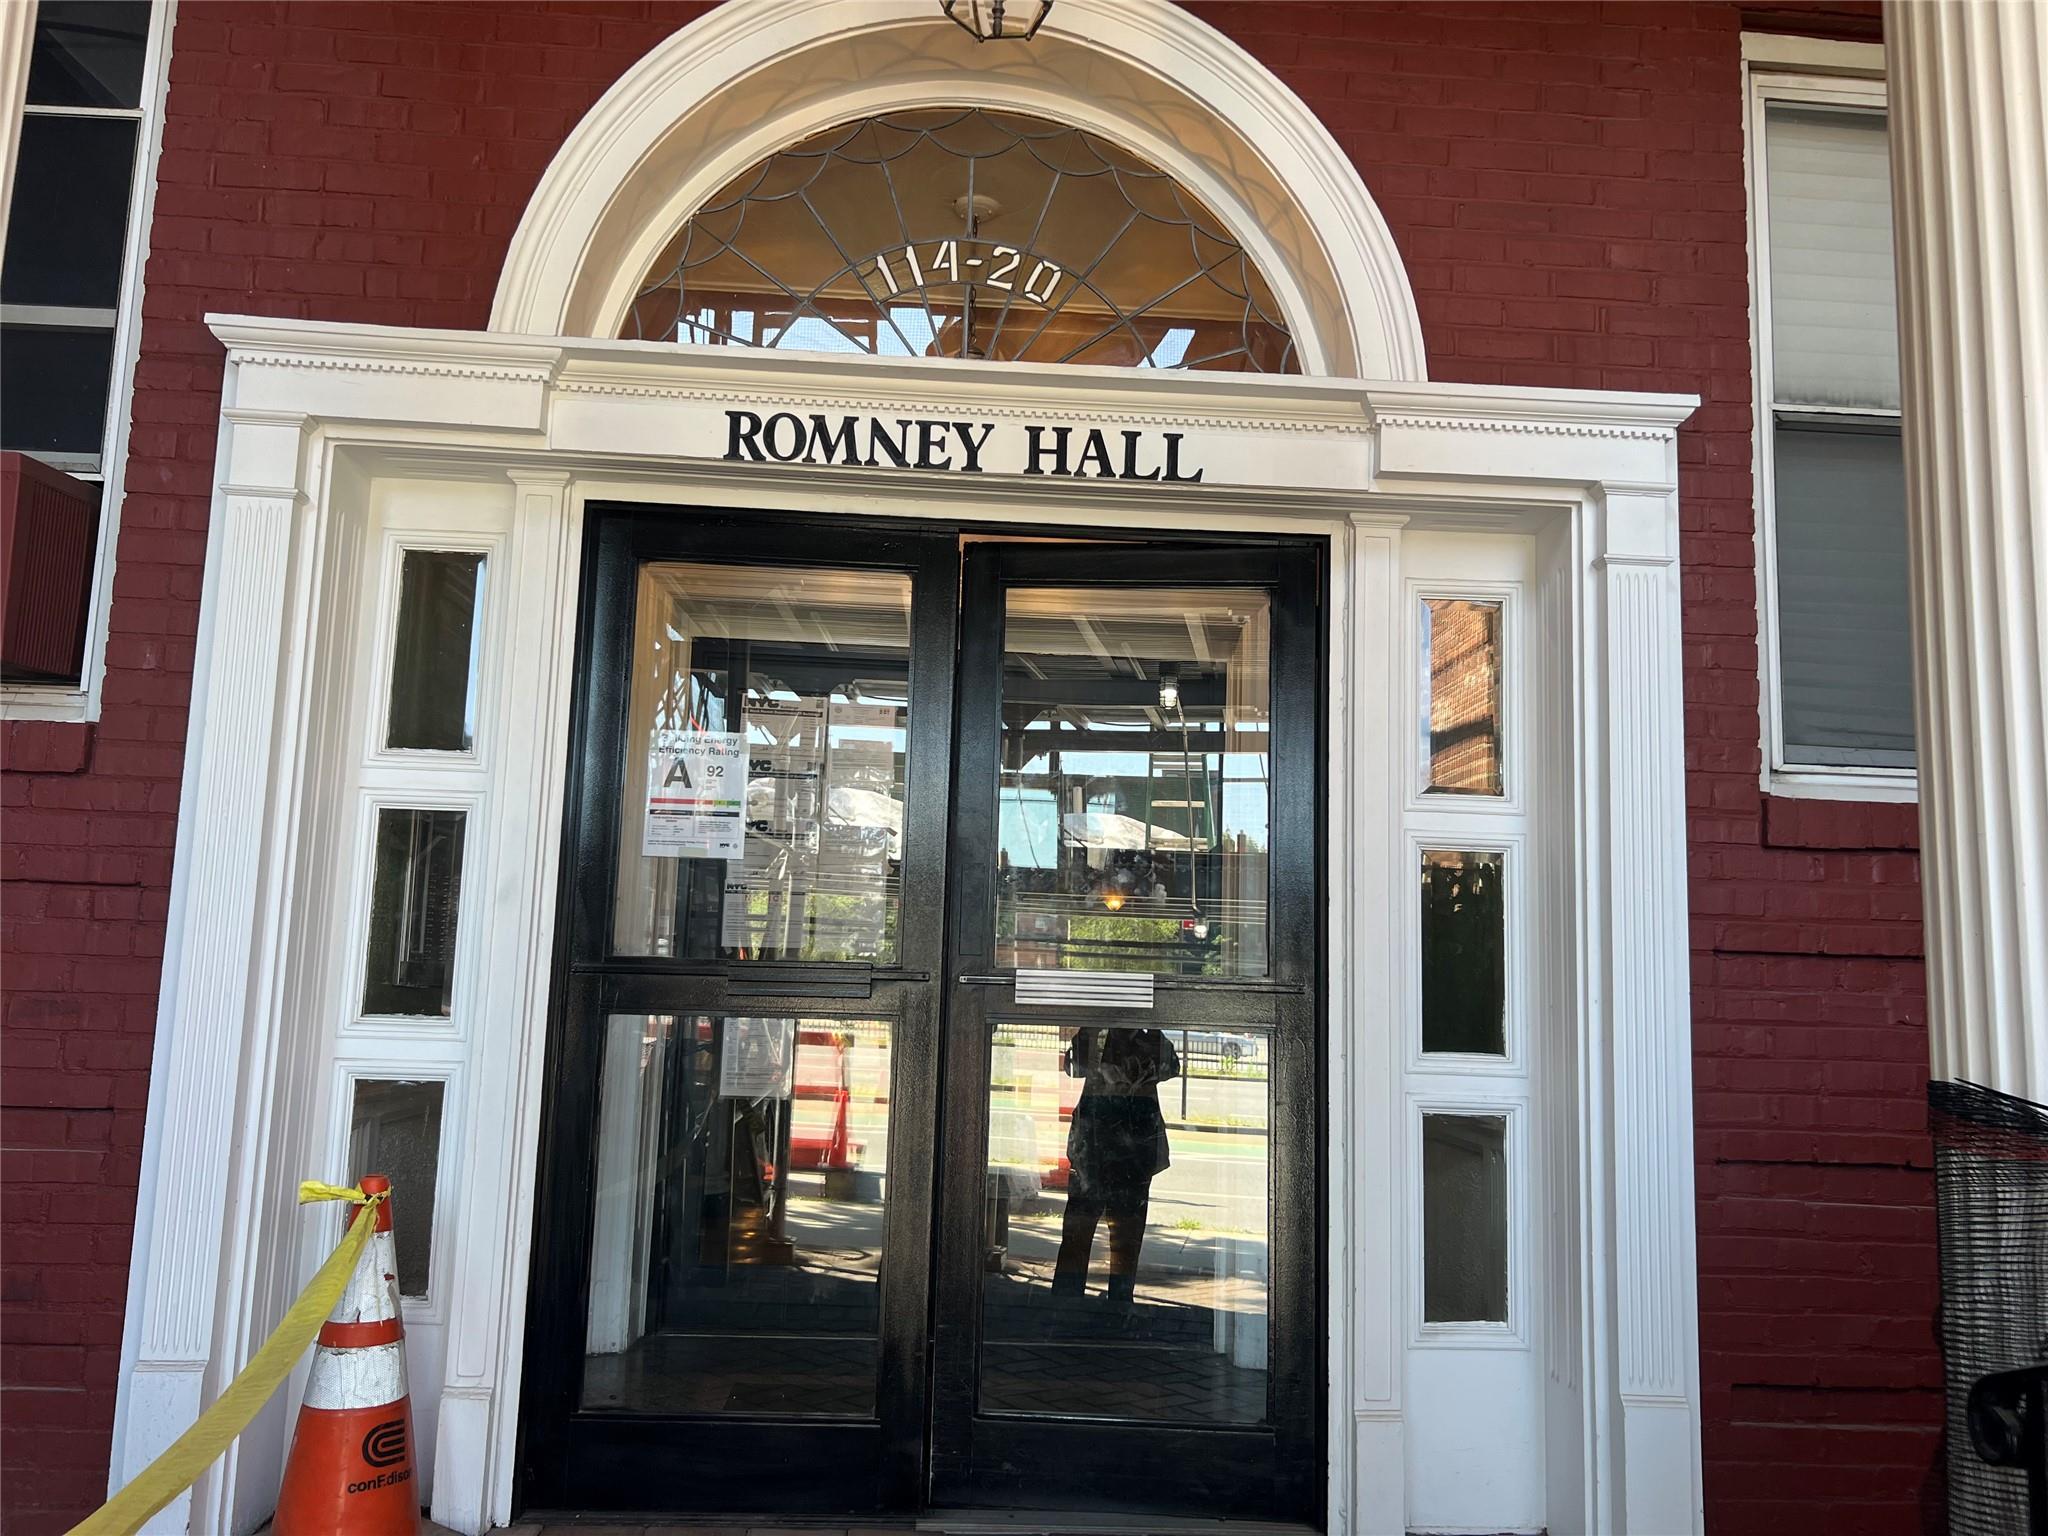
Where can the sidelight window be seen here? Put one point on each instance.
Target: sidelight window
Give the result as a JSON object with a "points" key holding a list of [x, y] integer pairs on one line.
{"points": [[1464, 1218], [1479, 1009], [1464, 952], [435, 655], [1461, 692], [415, 892], [395, 1130]]}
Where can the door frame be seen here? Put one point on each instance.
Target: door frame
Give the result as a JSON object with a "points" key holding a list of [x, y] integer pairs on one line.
{"points": [[333, 437], [573, 1459], [1272, 1470], [892, 1464]]}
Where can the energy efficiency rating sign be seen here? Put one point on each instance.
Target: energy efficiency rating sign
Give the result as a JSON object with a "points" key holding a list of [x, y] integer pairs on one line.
{"points": [[697, 797]]}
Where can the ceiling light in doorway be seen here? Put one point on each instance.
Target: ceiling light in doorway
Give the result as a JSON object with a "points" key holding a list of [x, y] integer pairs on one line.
{"points": [[990, 20]]}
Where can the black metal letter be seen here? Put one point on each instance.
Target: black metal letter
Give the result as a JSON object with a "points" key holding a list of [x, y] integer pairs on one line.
{"points": [[741, 428]]}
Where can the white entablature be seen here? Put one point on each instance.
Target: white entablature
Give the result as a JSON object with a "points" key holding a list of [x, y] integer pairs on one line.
{"points": [[657, 403]]}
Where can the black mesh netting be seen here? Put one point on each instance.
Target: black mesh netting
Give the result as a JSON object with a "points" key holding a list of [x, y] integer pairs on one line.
{"points": [[1991, 1192]]}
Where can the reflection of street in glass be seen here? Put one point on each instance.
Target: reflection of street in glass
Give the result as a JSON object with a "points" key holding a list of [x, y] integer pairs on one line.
{"points": [[1169, 1321]]}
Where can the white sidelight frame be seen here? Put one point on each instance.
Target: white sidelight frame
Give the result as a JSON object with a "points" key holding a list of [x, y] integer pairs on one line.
{"points": [[327, 428]]}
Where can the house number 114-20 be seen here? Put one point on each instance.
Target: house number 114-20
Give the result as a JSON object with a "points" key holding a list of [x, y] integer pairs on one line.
{"points": [[996, 270]]}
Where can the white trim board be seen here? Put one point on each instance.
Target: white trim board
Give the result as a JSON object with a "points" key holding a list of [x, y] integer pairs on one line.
{"points": [[334, 438]]}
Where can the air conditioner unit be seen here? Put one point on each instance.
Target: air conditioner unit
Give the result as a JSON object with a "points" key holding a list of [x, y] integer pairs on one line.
{"points": [[49, 533]]}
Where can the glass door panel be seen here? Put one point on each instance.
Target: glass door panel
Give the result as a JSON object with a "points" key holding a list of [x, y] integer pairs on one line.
{"points": [[1127, 1313], [1132, 815], [736, 1258], [1128, 1222], [731, 1264], [800, 678]]}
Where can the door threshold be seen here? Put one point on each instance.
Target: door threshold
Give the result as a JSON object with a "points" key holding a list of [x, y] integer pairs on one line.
{"points": [[964, 1522], [1067, 1522]]}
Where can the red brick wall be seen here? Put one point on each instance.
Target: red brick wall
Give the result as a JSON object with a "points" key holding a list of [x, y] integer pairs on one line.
{"points": [[1565, 182]]}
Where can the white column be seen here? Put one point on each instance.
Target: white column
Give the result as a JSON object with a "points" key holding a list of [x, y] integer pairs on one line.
{"points": [[1970, 194], [217, 1010]]}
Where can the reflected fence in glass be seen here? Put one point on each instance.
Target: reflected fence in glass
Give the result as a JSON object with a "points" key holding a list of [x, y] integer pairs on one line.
{"points": [[1133, 815], [736, 1248], [1126, 1224]]}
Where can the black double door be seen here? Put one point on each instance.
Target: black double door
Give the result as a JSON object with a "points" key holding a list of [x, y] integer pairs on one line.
{"points": [[931, 1116]]}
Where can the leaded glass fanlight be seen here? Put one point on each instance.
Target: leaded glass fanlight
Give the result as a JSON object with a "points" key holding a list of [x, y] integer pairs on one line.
{"points": [[963, 232]]}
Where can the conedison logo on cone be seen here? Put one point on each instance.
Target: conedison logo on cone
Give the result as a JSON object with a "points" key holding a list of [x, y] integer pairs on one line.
{"points": [[351, 1467]]}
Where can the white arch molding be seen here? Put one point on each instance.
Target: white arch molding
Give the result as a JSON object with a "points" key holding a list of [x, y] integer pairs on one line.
{"points": [[755, 76]]}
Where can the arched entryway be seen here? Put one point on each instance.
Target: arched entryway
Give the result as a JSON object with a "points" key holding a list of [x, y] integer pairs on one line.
{"points": [[755, 77], [945, 1133]]}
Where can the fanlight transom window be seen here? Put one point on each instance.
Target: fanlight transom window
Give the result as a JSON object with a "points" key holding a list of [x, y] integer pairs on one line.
{"points": [[963, 232]]}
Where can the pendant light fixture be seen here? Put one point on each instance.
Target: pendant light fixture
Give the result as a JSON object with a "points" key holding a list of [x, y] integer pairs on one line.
{"points": [[989, 21]]}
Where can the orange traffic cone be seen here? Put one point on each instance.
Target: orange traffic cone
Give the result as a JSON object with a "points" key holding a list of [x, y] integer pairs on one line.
{"points": [[351, 1471]]}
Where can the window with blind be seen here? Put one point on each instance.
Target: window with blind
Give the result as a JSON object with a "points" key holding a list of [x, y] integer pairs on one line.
{"points": [[1831, 481]]}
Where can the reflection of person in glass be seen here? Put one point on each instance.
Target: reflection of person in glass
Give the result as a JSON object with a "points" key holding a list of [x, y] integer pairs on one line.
{"points": [[1116, 1144]]}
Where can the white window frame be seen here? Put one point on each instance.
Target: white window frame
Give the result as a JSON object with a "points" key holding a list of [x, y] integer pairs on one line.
{"points": [[1509, 1332], [57, 701], [1823, 73]]}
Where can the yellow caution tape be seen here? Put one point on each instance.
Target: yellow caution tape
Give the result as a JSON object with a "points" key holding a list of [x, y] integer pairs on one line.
{"points": [[201, 1445]]}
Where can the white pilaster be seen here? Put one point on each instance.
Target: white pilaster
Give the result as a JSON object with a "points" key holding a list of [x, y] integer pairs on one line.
{"points": [[1647, 1137], [215, 1021], [1970, 215], [1368, 1053]]}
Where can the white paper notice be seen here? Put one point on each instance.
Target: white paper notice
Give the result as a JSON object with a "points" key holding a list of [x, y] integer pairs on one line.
{"points": [[868, 717], [697, 797], [757, 1059], [766, 894]]}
